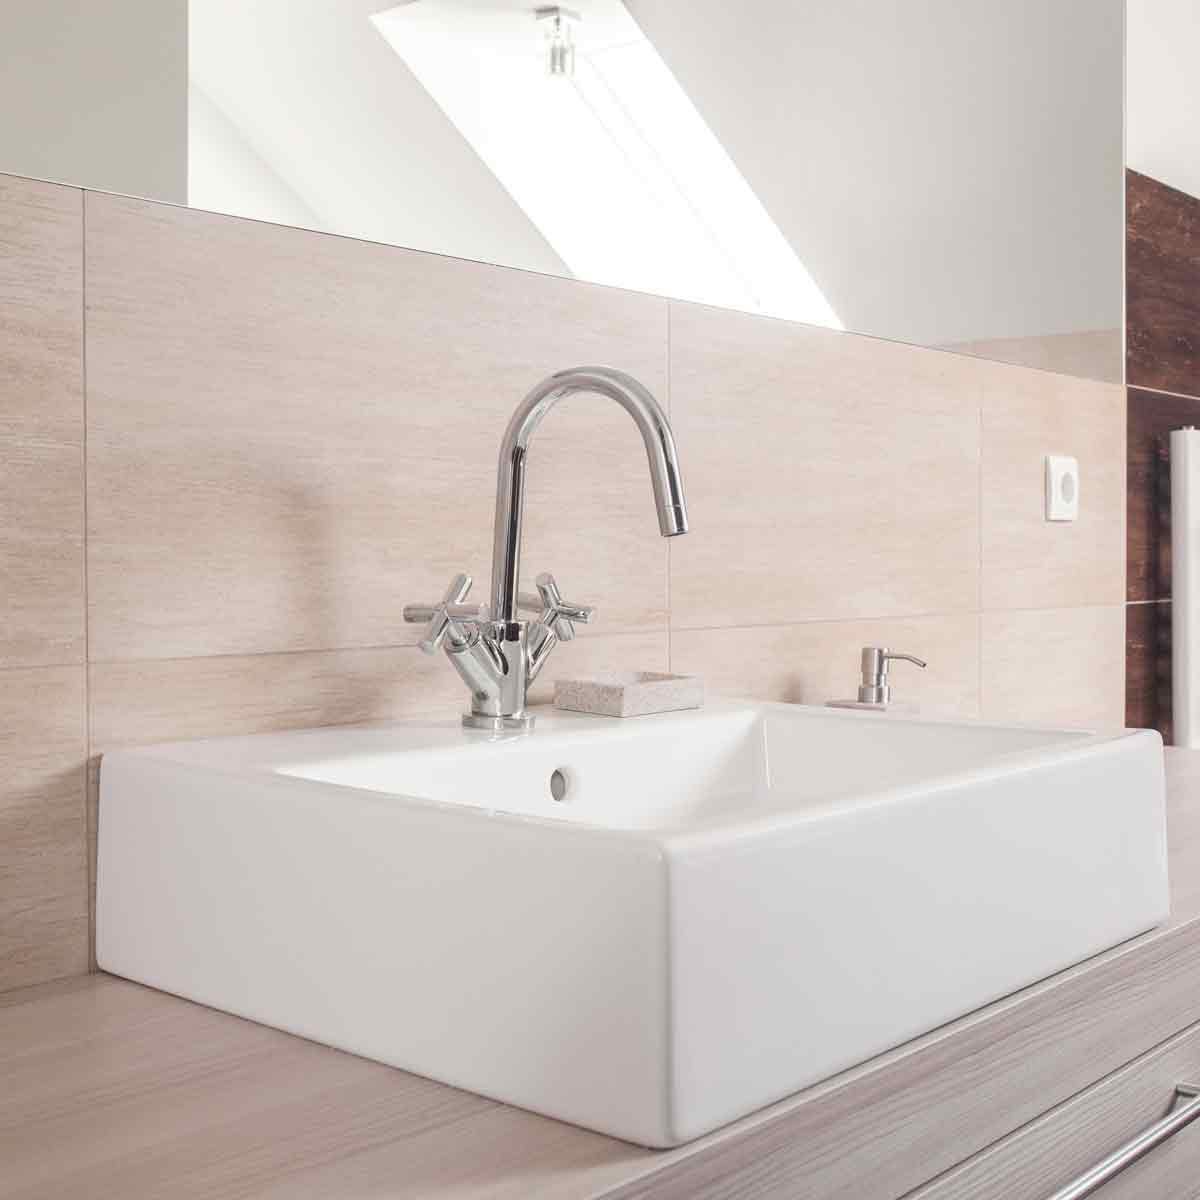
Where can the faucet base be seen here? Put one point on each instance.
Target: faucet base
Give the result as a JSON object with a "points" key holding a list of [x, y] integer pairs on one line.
{"points": [[521, 724]]}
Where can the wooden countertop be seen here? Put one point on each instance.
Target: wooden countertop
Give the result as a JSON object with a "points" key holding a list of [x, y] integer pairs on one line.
{"points": [[109, 1089]]}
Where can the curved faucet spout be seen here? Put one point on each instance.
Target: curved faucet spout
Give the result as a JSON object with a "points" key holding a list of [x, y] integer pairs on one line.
{"points": [[656, 433]]}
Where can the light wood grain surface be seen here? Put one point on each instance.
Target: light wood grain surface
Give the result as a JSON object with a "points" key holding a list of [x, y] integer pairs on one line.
{"points": [[292, 435], [158, 700], [43, 868], [809, 470], [1055, 666], [1069, 1140], [108, 1089], [41, 424]]}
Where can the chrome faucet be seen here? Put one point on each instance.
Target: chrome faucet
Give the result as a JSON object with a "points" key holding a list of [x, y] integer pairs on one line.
{"points": [[497, 654]]}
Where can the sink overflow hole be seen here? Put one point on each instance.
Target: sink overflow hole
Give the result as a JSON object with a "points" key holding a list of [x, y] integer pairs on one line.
{"points": [[558, 784]]}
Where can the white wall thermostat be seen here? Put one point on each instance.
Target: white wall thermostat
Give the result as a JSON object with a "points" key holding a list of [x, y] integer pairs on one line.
{"points": [[1062, 487]]}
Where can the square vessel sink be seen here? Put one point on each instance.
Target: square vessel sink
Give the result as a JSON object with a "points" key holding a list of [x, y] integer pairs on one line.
{"points": [[646, 927]]}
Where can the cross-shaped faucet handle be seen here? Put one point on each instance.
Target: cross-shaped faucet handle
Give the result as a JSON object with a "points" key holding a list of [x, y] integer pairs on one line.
{"points": [[440, 618], [556, 613]]}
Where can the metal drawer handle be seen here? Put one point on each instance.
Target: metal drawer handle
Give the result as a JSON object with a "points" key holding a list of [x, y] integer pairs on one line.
{"points": [[1184, 1110]]}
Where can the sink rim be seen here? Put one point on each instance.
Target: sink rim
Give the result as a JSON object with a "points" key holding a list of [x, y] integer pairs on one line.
{"points": [[1082, 744]]}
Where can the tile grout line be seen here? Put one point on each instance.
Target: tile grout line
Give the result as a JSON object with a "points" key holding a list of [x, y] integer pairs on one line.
{"points": [[979, 578], [90, 866], [671, 417], [850, 618], [1135, 387]]}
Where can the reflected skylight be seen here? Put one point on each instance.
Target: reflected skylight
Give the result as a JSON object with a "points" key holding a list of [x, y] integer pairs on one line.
{"points": [[611, 161]]}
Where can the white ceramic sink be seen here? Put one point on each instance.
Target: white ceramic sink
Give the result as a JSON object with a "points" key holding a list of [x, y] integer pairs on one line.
{"points": [[726, 906]]}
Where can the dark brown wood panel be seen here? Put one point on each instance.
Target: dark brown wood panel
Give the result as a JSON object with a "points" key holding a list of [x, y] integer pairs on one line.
{"points": [[1151, 417], [1162, 285], [1148, 666]]}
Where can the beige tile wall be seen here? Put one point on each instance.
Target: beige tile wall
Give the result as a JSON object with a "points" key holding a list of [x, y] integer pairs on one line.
{"points": [[1054, 665], [43, 892], [291, 435], [1028, 562], [41, 424], [809, 461]]}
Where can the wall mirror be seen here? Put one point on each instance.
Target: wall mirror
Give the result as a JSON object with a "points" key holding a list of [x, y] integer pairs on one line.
{"points": [[942, 172]]}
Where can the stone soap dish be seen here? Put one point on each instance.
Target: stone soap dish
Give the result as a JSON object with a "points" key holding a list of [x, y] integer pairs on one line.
{"points": [[629, 693]]}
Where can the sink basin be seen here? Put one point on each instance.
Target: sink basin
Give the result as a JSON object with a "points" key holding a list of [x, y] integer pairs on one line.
{"points": [[646, 927]]}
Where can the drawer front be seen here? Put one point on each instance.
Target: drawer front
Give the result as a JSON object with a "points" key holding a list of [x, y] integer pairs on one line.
{"points": [[1063, 1145], [1172, 1172]]}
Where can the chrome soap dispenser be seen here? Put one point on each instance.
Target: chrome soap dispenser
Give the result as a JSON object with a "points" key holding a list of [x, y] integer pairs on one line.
{"points": [[874, 690]]}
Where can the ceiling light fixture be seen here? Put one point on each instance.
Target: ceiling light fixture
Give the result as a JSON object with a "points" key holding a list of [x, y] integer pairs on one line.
{"points": [[560, 38]]}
